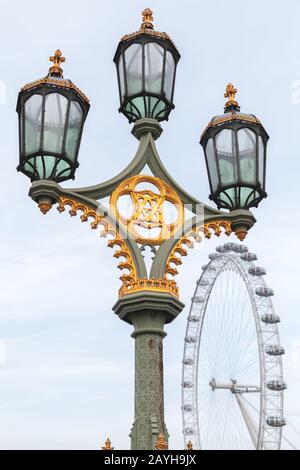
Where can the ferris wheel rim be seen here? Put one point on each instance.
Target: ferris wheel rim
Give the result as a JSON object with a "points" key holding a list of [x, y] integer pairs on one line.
{"points": [[217, 264]]}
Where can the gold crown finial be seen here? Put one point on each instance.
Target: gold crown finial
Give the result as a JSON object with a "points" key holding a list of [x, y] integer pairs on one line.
{"points": [[57, 60], [230, 94], [107, 445], [161, 443], [147, 19], [189, 446]]}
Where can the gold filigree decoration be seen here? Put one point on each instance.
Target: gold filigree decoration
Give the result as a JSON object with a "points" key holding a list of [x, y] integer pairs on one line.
{"points": [[122, 253], [130, 282], [148, 209], [189, 240], [52, 81], [150, 285], [107, 445], [231, 117], [230, 94], [161, 443]]}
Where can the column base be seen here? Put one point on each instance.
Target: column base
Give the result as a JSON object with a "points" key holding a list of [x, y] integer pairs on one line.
{"points": [[144, 433]]}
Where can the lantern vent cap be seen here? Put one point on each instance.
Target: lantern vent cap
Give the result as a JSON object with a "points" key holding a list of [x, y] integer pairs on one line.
{"points": [[147, 28], [55, 77], [231, 113]]}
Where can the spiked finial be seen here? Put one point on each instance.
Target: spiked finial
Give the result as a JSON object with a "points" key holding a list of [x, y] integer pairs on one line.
{"points": [[107, 445], [230, 93], [161, 443], [147, 19], [57, 60]]}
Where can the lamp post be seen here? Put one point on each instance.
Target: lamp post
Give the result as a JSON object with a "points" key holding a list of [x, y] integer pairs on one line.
{"points": [[51, 116]]}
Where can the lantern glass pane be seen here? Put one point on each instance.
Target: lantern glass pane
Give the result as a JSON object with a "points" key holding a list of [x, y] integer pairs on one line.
{"points": [[226, 154], [169, 75], [74, 129], [247, 155], [247, 195], [121, 77], [33, 119], [55, 120], [261, 161], [134, 69], [154, 56], [211, 162]]}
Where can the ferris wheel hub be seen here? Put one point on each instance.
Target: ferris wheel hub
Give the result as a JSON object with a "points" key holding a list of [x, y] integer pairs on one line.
{"points": [[233, 386]]}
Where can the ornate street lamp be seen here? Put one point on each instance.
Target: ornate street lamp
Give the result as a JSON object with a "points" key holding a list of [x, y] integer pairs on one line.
{"points": [[146, 65], [235, 147], [52, 112]]}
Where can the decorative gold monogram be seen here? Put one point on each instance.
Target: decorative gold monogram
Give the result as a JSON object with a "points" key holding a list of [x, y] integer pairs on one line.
{"points": [[148, 211]]}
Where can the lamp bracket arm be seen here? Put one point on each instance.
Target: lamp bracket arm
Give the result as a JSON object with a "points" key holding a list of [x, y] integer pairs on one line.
{"points": [[159, 170], [102, 190]]}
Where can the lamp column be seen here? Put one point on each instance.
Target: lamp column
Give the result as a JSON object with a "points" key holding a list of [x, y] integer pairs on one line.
{"points": [[148, 312]]}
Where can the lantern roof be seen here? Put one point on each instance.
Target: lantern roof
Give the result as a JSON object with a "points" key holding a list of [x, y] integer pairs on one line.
{"points": [[232, 113], [147, 29], [55, 77]]}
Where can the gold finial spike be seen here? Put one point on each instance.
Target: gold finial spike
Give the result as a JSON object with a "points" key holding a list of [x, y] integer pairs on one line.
{"points": [[57, 60], [189, 446], [107, 445], [161, 443], [230, 94], [147, 19], [241, 234], [45, 204]]}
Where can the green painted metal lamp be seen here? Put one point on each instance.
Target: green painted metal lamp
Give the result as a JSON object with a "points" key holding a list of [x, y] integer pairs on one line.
{"points": [[52, 112], [235, 147], [146, 65]]}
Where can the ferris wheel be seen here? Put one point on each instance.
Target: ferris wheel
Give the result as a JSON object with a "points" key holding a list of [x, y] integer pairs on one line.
{"points": [[232, 379]]}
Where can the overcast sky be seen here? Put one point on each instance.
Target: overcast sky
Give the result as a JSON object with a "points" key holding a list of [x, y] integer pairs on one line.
{"points": [[67, 381]]}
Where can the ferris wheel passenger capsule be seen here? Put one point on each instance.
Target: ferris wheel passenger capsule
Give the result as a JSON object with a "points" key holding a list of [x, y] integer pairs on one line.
{"points": [[275, 350], [188, 408], [188, 362], [191, 339], [198, 300], [240, 248], [270, 318], [203, 283], [257, 271], [213, 256], [276, 421], [249, 256], [188, 385], [221, 249], [193, 319], [277, 385], [229, 246], [189, 431], [264, 291]]}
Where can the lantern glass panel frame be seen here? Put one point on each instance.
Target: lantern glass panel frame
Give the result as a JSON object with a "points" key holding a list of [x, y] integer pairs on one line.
{"points": [[235, 155], [51, 122], [146, 68]]}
